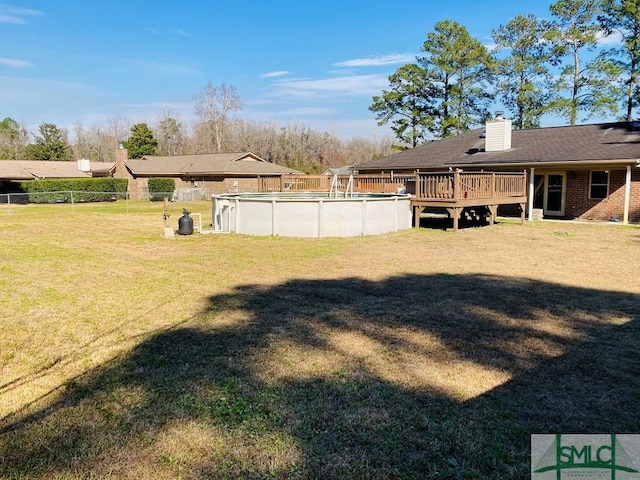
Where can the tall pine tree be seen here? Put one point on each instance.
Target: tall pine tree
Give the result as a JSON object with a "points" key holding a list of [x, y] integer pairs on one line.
{"points": [[460, 67], [523, 75], [51, 144], [623, 17], [141, 142], [408, 104], [593, 88]]}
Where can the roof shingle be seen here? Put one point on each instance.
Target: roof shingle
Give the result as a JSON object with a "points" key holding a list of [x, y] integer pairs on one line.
{"points": [[579, 143], [206, 164], [31, 169]]}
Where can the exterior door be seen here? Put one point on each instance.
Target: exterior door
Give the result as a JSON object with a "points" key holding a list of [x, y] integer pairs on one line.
{"points": [[554, 194], [539, 184]]}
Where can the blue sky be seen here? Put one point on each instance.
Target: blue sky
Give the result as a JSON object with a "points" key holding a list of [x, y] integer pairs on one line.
{"points": [[314, 63]]}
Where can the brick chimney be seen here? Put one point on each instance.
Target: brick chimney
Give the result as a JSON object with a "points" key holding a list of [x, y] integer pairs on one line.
{"points": [[121, 157], [497, 134]]}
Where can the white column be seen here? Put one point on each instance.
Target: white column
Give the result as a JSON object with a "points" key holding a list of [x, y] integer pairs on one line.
{"points": [[274, 217], [364, 218], [237, 217], [320, 218], [627, 196], [532, 187]]}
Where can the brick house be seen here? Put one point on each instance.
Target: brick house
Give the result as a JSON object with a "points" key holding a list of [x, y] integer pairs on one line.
{"points": [[583, 171], [215, 172]]}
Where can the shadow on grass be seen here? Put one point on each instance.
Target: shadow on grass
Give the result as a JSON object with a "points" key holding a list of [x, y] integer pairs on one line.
{"points": [[439, 376], [441, 221]]}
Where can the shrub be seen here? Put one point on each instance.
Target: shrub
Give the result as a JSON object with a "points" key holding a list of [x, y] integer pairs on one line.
{"points": [[75, 189], [7, 186], [160, 188]]}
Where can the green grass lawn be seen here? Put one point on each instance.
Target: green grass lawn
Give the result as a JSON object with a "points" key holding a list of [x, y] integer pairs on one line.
{"points": [[420, 354]]}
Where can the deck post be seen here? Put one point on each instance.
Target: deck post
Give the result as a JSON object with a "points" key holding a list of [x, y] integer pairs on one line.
{"points": [[282, 182], [493, 213], [455, 214], [492, 183], [456, 185], [416, 216]]}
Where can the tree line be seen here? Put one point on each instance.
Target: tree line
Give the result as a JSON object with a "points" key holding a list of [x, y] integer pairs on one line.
{"points": [[215, 130], [538, 67]]}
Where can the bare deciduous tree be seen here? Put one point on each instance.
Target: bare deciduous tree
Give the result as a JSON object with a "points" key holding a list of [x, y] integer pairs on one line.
{"points": [[170, 134], [213, 106], [293, 145], [120, 129], [13, 139]]}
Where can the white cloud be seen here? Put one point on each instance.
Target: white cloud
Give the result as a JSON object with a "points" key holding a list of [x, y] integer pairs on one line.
{"points": [[491, 47], [393, 59], [14, 63], [12, 19], [614, 39], [16, 15], [152, 31], [279, 73], [182, 33], [31, 90], [34, 101], [355, 85]]}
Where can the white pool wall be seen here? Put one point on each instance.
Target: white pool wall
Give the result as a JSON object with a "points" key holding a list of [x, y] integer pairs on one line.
{"points": [[311, 216]]}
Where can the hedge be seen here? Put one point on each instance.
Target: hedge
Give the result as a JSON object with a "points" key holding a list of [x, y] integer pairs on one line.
{"points": [[7, 186], [84, 190], [161, 187]]}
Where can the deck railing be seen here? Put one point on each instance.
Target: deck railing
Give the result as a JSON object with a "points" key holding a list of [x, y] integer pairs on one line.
{"points": [[271, 183], [437, 186], [298, 183], [511, 185], [451, 186]]}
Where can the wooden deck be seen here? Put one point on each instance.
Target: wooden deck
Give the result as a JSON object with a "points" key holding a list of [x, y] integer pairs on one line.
{"points": [[452, 191], [456, 191]]}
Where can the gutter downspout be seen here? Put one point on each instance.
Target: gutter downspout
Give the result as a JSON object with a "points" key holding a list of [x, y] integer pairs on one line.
{"points": [[531, 192], [627, 196]]}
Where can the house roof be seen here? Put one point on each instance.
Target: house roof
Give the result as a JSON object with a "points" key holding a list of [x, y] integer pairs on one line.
{"points": [[30, 169], [596, 143], [227, 164]]}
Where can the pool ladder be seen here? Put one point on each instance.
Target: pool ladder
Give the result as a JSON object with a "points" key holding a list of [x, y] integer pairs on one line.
{"points": [[348, 191]]}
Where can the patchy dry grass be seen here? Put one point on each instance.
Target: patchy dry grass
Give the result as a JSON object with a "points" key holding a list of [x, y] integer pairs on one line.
{"points": [[422, 354]]}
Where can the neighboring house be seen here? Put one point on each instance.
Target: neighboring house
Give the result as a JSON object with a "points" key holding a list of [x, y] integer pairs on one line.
{"points": [[39, 170], [583, 171], [217, 172], [346, 170]]}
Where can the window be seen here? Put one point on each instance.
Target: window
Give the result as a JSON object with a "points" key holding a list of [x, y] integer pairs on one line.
{"points": [[599, 187]]}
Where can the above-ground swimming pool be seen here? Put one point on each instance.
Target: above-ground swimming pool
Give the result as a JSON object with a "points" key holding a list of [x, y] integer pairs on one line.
{"points": [[311, 214]]}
